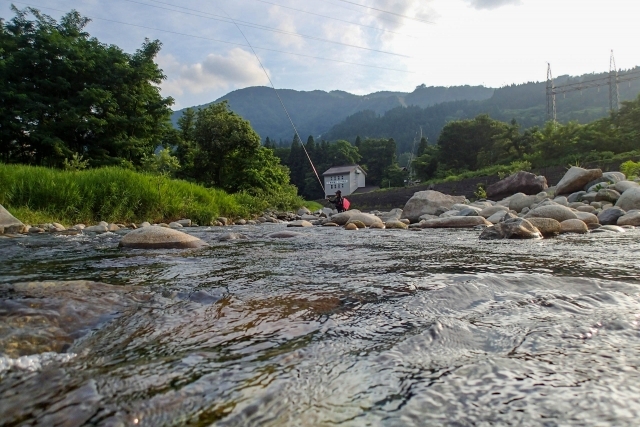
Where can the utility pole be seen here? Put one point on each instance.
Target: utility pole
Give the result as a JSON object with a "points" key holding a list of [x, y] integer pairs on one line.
{"points": [[551, 95], [614, 94]]}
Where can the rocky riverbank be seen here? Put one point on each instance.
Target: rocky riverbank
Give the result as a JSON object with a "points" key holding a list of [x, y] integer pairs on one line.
{"points": [[585, 200]]}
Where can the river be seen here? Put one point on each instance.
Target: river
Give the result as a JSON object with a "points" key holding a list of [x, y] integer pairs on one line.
{"points": [[364, 328]]}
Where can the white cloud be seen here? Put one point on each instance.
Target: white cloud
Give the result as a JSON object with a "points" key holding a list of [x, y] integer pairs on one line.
{"points": [[492, 4], [238, 68]]}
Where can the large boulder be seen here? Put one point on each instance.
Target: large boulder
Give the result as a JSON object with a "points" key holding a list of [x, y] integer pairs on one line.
{"points": [[576, 178], [429, 202], [343, 217], [514, 228], [547, 226], [623, 186], [456, 222], [393, 214], [492, 210], [573, 226], [520, 201], [520, 182], [630, 218], [587, 218], [557, 212], [9, 223], [610, 216], [607, 178], [160, 238], [630, 199], [607, 195], [365, 218]]}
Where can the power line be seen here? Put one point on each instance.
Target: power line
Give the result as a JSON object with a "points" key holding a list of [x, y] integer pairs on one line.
{"points": [[337, 19], [386, 11], [221, 41], [261, 27]]}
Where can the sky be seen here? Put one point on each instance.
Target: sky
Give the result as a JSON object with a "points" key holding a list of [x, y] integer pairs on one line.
{"points": [[360, 46]]}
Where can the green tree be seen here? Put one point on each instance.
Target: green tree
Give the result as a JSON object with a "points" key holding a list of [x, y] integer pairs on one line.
{"points": [[64, 92], [377, 156], [221, 138]]}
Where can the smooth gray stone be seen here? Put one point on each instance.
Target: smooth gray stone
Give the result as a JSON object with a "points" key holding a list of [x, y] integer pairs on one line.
{"points": [[160, 238]]}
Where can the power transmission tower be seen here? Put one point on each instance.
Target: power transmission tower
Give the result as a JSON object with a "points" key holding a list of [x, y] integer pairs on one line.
{"points": [[614, 94], [551, 95]]}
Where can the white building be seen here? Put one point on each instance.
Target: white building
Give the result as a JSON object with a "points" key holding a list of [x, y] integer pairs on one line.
{"points": [[347, 179]]}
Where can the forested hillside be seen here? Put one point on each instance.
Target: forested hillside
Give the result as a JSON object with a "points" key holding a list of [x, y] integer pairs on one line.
{"points": [[317, 111], [526, 103]]}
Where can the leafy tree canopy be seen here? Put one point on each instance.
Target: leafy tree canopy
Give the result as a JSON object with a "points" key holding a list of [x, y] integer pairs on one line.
{"points": [[64, 92]]}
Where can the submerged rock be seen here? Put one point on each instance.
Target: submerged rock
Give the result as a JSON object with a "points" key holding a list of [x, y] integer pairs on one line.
{"points": [[232, 236], [514, 228], [300, 223], [396, 225], [285, 235], [160, 238]]}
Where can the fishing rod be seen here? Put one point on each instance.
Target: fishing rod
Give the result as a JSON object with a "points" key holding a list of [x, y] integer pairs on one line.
{"points": [[279, 98]]}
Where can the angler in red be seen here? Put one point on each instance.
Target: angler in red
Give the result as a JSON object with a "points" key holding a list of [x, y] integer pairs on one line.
{"points": [[340, 202]]}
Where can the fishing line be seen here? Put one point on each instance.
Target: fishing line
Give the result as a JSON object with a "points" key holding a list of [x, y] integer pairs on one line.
{"points": [[280, 99]]}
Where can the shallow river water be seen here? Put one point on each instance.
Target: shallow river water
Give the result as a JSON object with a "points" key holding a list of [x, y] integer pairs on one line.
{"points": [[374, 327]]}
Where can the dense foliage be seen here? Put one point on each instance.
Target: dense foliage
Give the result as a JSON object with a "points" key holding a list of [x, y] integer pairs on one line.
{"points": [[72, 102], [469, 145], [64, 93], [116, 194]]}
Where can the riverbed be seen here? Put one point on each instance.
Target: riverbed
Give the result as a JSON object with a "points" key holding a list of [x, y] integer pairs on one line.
{"points": [[370, 327]]}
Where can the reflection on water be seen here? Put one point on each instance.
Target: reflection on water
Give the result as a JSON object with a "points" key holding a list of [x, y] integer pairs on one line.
{"points": [[375, 327]]}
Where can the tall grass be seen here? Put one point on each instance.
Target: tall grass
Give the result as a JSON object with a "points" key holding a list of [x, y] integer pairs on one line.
{"points": [[121, 195]]}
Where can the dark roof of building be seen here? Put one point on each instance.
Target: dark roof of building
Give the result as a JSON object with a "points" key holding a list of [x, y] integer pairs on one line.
{"points": [[343, 169], [366, 189]]}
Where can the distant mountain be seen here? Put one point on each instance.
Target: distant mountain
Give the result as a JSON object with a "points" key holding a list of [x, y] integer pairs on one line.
{"points": [[526, 103], [316, 112]]}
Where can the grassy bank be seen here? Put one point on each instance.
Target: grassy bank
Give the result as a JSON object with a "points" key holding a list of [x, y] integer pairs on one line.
{"points": [[37, 194]]}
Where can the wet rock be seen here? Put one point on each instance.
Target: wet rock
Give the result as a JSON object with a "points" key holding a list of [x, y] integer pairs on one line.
{"points": [[160, 238], [589, 197], [223, 220], [343, 217], [330, 224], [308, 217], [513, 228], [379, 225], [610, 216], [395, 224], [487, 212], [499, 217], [357, 223], [96, 229], [304, 211], [520, 182], [623, 186], [285, 235], [144, 224], [425, 217], [429, 202], [351, 226], [630, 199], [456, 222], [548, 227], [607, 195], [232, 236], [449, 214], [587, 218], [573, 226], [630, 218], [576, 178], [557, 212], [367, 219], [609, 229], [185, 222], [9, 223], [562, 201], [300, 223], [36, 230]]}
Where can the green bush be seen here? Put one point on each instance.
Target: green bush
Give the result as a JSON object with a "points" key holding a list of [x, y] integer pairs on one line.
{"points": [[630, 168], [121, 195]]}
